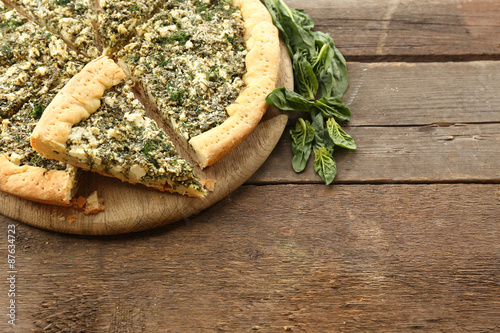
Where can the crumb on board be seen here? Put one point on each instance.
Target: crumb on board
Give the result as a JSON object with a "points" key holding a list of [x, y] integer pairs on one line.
{"points": [[91, 205], [209, 184], [78, 203], [72, 219], [94, 204]]}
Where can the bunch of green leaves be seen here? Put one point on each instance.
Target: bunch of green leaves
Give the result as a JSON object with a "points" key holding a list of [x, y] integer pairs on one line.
{"points": [[320, 75]]}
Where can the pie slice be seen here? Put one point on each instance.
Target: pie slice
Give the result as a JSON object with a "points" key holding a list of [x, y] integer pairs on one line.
{"points": [[113, 138], [207, 67], [119, 19], [73, 20], [32, 62], [23, 172], [34, 65]]}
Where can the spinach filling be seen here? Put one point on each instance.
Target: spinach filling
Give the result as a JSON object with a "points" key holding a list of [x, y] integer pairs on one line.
{"points": [[191, 59], [119, 139]]}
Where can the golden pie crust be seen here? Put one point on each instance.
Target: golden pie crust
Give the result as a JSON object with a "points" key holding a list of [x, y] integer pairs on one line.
{"points": [[56, 187], [81, 96]]}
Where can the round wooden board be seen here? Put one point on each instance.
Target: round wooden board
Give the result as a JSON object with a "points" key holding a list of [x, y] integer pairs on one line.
{"points": [[131, 208]]}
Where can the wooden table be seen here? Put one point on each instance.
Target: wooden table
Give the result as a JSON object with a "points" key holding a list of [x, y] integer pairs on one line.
{"points": [[406, 239]]}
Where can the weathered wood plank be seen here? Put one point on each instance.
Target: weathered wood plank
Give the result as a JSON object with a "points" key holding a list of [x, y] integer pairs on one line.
{"points": [[457, 153], [390, 94], [425, 122], [415, 30], [307, 257]]}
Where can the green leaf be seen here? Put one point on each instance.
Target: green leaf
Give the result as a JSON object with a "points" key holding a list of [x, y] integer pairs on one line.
{"points": [[321, 137], [339, 67], [332, 76], [288, 100], [338, 135], [305, 80], [322, 38], [299, 37], [324, 165], [323, 59], [302, 19], [302, 138], [275, 14], [324, 67], [326, 81], [333, 107]]}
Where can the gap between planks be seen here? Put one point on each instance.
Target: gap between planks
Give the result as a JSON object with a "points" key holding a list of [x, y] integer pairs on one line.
{"points": [[427, 58], [311, 256], [410, 128], [400, 155]]}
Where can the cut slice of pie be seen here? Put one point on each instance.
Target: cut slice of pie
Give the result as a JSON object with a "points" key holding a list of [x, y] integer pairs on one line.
{"points": [[32, 62], [96, 123], [206, 67], [23, 172], [73, 20], [34, 65]]}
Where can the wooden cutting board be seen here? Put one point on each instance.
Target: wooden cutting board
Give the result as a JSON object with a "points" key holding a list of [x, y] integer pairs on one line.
{"points": [[131, 208]]}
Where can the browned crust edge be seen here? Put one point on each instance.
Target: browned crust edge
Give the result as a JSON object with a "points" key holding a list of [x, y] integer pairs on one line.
{"points": [[76, 101], [55, 187], [262, 64]]}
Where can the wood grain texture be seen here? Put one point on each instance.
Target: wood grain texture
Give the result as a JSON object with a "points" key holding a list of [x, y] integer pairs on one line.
{"points": [[132, 208], [385, 258], [350, 257], [404, 94], [420, 154], [414, 30], [412, 123]]}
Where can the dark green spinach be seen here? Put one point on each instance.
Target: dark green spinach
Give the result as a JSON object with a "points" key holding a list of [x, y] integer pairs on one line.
{"points": [[333, 107], [37, 111], [294, 25], [321, 79], [324, 165], [305, 79], [338, 135], [288, 100], [302, 139]]}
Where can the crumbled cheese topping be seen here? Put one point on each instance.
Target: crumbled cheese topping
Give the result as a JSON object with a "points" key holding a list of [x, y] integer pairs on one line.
{"points": [[118, 19], [34, 66], [120, 140], [191, 59], [73, 20]]}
